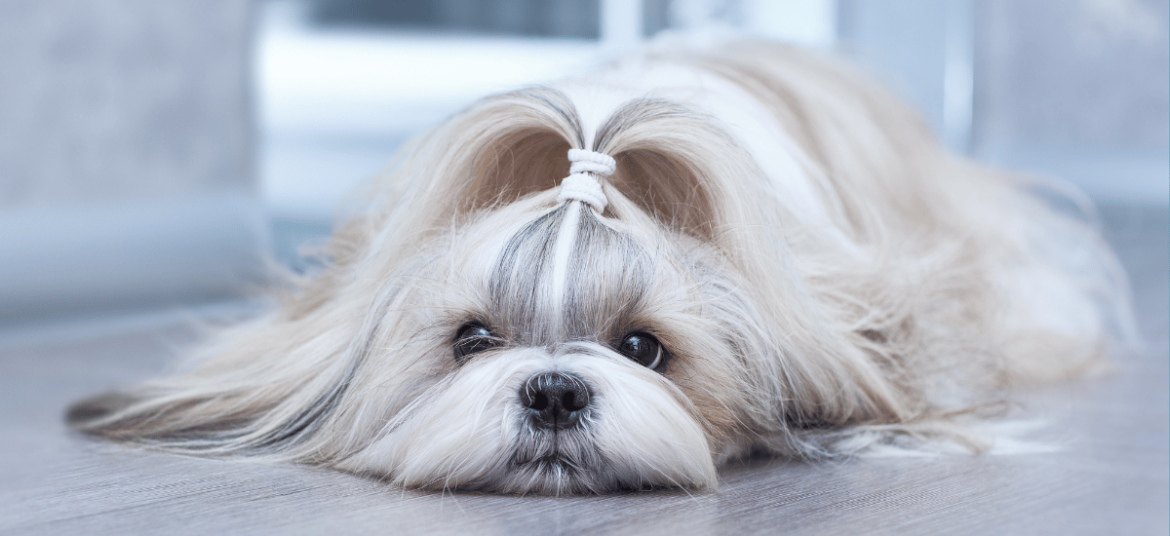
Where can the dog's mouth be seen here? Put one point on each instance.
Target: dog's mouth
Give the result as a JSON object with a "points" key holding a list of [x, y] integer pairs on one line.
{"points": [[575, 473], [551, 463], [561, 462], [568, 450], [552, 475]]}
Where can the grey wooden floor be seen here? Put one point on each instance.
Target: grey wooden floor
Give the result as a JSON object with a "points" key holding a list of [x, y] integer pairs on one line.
{"points": [[1109, 476]]}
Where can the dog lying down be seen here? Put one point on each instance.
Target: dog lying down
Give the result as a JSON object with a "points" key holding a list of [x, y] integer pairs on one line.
{"points": [[623, 280]]}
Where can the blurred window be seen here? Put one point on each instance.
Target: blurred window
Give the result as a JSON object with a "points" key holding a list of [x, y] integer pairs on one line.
{"points": [[342, 83], [1025, 83], [529, 18]]}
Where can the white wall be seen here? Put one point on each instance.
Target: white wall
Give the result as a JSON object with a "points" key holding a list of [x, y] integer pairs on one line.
{"points": [[125, 155]]}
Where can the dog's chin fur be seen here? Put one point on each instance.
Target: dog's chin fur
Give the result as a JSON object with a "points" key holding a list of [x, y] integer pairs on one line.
{"points": [[822, 274]]}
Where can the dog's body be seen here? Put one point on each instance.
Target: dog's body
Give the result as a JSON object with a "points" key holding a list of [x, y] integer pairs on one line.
{"points": [[779, 259]]}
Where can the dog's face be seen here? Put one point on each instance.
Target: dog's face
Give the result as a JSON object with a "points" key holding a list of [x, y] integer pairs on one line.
{"points": [[559, 352]]}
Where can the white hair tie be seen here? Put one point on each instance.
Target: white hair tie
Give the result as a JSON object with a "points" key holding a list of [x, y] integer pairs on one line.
{"points": [[582, 184]]}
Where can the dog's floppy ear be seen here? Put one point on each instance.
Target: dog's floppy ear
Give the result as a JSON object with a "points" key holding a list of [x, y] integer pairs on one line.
{"points": [[183, 422], [95, 408], [264, 390]]}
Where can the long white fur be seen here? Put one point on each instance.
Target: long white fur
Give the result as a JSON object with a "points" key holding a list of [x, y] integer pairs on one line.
{"points": [[566, 239], [825, 276]]}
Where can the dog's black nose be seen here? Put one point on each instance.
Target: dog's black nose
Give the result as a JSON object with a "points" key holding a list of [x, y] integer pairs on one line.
{"points": [[554, 399]]}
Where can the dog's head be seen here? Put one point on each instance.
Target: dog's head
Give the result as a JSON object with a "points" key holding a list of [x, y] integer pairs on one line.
{"points": [[558, 351]]}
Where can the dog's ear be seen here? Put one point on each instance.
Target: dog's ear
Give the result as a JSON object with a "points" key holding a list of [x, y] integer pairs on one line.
{"points": [[187, 423], [265, 389], [81, 413]]}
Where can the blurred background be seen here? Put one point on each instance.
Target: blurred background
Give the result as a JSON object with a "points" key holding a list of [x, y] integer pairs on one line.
{"points": [[153, 155]]}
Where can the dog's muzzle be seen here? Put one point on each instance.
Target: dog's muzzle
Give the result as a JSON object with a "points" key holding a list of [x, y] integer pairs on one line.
{"points": [[555, 400]]}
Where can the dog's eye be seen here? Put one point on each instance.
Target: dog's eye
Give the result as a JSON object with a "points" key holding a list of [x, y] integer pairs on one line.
{"points": [[472, 339], [643, 348]]}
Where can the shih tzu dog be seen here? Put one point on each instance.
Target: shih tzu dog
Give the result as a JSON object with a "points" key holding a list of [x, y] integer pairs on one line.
{"points": [[623, 280]]}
